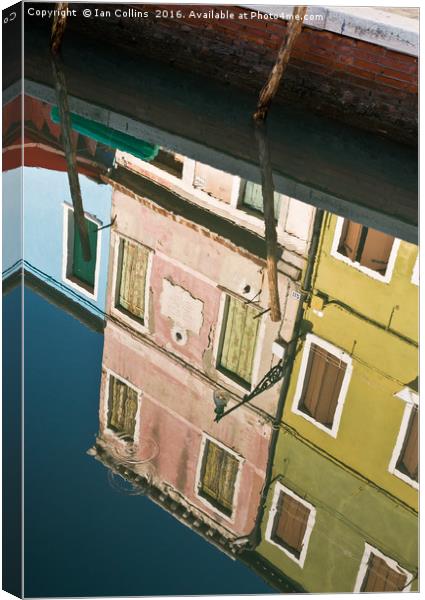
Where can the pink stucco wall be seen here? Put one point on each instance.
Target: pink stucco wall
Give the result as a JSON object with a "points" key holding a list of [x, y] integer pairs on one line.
{"points": [[176, 409]]}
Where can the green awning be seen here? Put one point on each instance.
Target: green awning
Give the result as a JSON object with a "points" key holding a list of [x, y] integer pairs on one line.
{"points": [[110, 137]]}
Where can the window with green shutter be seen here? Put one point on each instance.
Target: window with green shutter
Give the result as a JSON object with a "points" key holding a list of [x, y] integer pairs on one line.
{"points": [[218, 477], [84, 271], [253, 198], [239, 339], [122, 408], [132, 279]]}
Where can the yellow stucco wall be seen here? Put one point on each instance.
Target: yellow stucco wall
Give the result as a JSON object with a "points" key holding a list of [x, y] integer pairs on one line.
{"points": [[383, 363]]}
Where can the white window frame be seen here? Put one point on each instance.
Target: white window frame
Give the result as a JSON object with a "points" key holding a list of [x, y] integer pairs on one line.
{"points": [[356, 265], [390, 562], [251, 212], [117, 237], [198, 477], [67, 253], [218, 340], [339, 354], [415, 272], [411, 400], [111, 432], [280, 488]]}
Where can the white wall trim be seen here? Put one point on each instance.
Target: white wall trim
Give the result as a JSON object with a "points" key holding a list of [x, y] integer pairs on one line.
{"points": [[116, 238], [279, 488], [356, 265], [341, 355], [198, 477], [390, 562], [110, 432], [411, 400], [415, 272], [67, 252]]}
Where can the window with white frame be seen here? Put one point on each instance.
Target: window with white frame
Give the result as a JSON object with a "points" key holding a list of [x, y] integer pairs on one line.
{"points": [[415, 272], [130, 289], [405, 458], [239, 335], [218, 475], [122, 408], [252, 198], [290, 523], [379, 573], [214, 182], [79, 271], [371, 251], [322, 383]]}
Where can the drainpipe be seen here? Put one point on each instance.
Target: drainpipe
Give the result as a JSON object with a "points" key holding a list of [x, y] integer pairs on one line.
{"points": [[255, 535]]}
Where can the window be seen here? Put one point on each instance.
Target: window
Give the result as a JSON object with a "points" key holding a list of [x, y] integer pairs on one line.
{"points": [[415, 272], [405, 457], [214, 182], [77, 271], [291, 521], [367, 249], [322, 383], [239, 338], [408, 460], [219, 470], [131, 288], [253, 197], [122, 408], [378, 573], [169, 162]]}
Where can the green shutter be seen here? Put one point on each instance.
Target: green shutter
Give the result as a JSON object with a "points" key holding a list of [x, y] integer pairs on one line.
{"points": [[122, 408], [253, 197], [240, 337], [220, 469], [81, 269], [134, 263]]}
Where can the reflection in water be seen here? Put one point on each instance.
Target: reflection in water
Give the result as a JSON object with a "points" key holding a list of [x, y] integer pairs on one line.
{"points": [[309, 473]]}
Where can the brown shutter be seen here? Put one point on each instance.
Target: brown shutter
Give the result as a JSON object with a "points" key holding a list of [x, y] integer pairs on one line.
{"points": [[290, 523], [322, 385], [381, 578], [377, 250], [122, 408], [350, 238], [134, 263], [408, 461]]}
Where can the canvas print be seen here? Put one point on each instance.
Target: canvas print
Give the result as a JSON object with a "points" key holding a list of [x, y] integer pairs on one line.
{"points": [[210, 299]]}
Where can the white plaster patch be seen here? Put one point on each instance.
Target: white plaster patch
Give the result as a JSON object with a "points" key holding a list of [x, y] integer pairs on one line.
{"points": [[181, 307]]}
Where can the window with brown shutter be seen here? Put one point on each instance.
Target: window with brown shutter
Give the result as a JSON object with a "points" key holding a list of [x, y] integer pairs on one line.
{"points": [[380, 577], [366, 246], [122, 408], [290, 524], [322, 385], [131, 286], [408, 460], [218, 477]]}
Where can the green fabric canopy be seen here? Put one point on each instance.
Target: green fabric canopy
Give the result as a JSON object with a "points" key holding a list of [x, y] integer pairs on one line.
{"points": [[110, 137]]}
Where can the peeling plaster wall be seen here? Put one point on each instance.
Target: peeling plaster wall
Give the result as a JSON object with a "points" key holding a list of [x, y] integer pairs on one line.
{"points": [[176, 408], [204, 269]]}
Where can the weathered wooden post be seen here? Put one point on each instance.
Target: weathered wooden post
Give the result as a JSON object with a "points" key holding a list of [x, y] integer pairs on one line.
{"points": [[284, 54], [266, 96], [58, 28]]}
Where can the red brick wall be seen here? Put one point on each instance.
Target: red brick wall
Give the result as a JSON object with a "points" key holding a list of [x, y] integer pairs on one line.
{"points": [[349, 79]]}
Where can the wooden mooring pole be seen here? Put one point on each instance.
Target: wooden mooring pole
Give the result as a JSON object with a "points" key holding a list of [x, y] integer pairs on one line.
{"points": [[58, 29], [271, 86], [266, 96]]}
